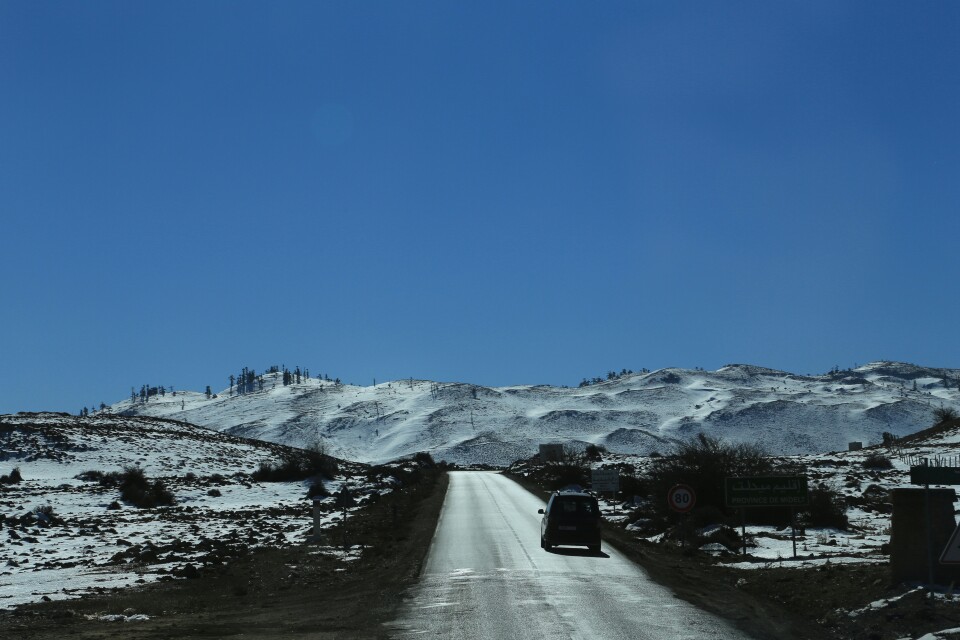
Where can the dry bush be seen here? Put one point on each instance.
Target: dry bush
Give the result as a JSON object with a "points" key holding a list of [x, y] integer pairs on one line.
{"points": [[704, 463]]}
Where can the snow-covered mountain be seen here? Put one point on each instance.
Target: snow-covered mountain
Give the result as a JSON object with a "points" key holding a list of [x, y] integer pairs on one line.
{"points": [[635, 413]]}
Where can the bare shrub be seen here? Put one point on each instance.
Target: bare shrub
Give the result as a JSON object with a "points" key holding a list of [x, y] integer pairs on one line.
{"points": [[704, 463], [558, 476], [317, 489], [942, 415], [827, 509], [137, 490], [594, 451], [424, 459], [304, 464], [877, 461]]}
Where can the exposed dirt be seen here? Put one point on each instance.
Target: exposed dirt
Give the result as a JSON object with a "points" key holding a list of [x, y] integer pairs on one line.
{"points": [[294, 592], [829, 594]]}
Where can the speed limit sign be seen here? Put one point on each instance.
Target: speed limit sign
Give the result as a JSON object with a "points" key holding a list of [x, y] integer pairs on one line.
{"points": [[681, 498]]}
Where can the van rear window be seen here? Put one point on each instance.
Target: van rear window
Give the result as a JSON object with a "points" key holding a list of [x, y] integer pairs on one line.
{"points": [[583, 506]]}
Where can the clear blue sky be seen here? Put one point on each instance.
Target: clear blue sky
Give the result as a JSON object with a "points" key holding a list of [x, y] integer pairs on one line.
{"points": [[493, 192]]}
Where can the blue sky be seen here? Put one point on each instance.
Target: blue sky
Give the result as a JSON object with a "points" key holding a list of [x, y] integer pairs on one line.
{"points": [[496, 192]]}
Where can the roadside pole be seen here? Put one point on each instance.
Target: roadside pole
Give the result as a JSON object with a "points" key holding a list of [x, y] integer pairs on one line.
{"points": [[793, 529], [682, 498], [344, 500], [343, 521], [743, 529], [926, 503]]}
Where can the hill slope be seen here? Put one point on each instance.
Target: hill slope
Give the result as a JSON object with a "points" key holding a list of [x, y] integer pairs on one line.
{"points": [[638, 413]]}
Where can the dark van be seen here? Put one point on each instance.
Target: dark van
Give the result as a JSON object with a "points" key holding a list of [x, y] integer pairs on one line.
{"points": [[571, 518]]}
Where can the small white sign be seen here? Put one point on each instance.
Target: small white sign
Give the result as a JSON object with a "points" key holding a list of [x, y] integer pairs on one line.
{"points": [[605, 480]]}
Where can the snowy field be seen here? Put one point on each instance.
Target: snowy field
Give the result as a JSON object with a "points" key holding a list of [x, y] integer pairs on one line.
{"points": [[61, 536]]}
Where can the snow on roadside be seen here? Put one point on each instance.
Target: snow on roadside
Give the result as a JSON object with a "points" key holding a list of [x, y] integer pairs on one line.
{"points": [[62, 536]]}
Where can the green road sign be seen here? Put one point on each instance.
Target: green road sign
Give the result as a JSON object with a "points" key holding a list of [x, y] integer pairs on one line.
{"points": [[766, 491], [920, 474]]}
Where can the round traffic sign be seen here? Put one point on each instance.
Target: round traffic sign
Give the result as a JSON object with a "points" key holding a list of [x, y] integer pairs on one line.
{"points": [[681, 498]]}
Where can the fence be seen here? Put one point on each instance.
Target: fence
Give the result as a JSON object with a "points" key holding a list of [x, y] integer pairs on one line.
{"points": [[914, 460]]}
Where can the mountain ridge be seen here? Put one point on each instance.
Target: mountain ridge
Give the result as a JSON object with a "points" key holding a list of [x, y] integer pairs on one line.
{"points": [[635, 413]]}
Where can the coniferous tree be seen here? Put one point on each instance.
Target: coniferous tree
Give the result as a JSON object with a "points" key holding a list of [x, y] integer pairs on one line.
{"points": [[208, 393], [231, 383]]}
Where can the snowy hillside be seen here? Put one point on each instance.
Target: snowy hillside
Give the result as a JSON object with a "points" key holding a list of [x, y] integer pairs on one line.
{"points": [[64, 532], [638, 413]]}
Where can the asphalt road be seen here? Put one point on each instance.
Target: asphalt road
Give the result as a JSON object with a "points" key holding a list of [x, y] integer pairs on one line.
{"points": [[487, 577]]}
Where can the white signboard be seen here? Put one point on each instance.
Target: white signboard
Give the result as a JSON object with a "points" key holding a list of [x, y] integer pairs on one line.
{"points": [[605, 480]]}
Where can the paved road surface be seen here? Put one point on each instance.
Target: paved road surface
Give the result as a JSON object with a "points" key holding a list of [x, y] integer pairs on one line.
{"points": [[487, 577]]}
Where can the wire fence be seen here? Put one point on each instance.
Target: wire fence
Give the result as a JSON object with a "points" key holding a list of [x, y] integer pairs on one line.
{"points": [[915, 460]]}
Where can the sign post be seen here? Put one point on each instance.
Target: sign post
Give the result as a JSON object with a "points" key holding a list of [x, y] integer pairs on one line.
{"points": [[681, 499], [941, 475], [926, 475], [345, 500], [606, 480], [767, 491]]}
